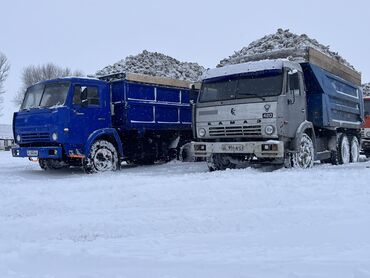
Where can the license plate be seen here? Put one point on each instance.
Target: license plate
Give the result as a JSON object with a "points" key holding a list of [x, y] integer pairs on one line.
{"points": [[267, 115], [233, 148], [32, 153]]}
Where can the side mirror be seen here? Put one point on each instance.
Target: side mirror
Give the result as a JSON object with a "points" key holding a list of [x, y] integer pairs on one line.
{"points": [[193, 94]]}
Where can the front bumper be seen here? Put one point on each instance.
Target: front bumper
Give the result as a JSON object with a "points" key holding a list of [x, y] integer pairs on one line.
{"points": [[37, 152], [260, 149]]}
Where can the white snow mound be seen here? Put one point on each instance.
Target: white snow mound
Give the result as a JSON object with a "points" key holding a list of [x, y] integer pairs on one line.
{"points": [[155, 64], [282, 39]]}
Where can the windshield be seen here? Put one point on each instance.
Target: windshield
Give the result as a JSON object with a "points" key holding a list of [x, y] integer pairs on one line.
{"points": [[261, 85], [45, 95], [367, 107]]}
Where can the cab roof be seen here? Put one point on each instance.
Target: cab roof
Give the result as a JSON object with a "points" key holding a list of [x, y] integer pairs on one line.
{"points": [[256, 66]]}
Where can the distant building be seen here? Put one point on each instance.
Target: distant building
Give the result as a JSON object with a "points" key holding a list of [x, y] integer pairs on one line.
{"points": [[6, 137]]}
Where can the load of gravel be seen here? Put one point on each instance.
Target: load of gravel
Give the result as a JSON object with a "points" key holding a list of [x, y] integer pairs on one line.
{"points": [[282, 39], [155, 64]]}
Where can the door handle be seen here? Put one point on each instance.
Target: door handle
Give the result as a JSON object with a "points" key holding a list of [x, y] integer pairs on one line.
{"points": [[101, 119], [303, 110], [80, 114]]}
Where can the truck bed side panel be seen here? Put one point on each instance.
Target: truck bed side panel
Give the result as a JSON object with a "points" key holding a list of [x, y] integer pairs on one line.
{"points": [[151, 107], [332, 102]]}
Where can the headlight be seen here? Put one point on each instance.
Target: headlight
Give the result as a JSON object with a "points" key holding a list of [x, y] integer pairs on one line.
{"points": [[54, 136], [269, 129], [18, 138], [368, 134], [202, 132]]}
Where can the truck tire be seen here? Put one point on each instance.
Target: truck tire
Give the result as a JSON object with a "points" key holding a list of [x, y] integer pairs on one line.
{"points": [[305, 155], [355, 149], [43, 164], [103, 157], [219, 162], [52, 164], [343, 150], [186, 153]]}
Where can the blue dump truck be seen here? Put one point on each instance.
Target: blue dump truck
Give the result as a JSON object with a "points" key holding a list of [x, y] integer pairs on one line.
{"points": [[97, 124], [275, 110]]}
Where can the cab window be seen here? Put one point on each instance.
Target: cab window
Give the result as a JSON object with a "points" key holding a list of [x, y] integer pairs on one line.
{"points": [[88, 93]]}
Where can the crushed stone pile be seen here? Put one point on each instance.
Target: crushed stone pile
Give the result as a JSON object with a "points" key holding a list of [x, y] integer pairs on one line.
{"points": [[282, 39], [155, 64], [366, 89]]}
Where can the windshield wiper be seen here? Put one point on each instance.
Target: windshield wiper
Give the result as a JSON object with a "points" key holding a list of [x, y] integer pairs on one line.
{"points": [[254, 95]]}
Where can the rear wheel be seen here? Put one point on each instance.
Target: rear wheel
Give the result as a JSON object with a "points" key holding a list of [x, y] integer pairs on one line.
{"points": [[219, 162], [103, 157], [343, 149], [355, 149]]}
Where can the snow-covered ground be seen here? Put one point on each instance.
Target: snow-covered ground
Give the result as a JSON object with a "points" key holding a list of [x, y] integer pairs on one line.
{"points": [[178, 220]]}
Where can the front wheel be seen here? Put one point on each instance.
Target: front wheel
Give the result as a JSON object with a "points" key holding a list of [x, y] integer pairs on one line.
{"points": [[103, 157], [43, 164], [52, 164], [304, 157], [219, 162], [186, 153]]}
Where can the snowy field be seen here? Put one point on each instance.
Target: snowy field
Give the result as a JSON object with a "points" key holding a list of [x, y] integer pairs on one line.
{"points": [[178, 220]]}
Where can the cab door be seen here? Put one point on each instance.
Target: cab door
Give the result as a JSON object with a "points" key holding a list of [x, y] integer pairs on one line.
{"points": [[90, 111], [296, 97]]}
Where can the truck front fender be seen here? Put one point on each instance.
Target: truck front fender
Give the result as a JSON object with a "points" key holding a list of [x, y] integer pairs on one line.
{"points": [[110, 133], [304, 127]]}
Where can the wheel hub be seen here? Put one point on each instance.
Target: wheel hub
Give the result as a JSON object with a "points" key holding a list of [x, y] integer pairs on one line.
{"points": [[103, 160]]}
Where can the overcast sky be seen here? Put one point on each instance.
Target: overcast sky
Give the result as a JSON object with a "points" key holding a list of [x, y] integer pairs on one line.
{"points": [[88, 35]]}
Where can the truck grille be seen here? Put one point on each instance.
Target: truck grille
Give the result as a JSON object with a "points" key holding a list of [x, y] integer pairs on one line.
{"points": [[362, 133], [35, 137], [252, 130]]}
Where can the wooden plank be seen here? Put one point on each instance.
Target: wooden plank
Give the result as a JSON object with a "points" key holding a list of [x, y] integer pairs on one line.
{"points": [[143, 78], [333, 66]]}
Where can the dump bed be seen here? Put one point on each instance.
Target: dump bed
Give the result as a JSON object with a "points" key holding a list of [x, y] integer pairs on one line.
{"points": [[312, 56], [144, 102], [332, 102]]}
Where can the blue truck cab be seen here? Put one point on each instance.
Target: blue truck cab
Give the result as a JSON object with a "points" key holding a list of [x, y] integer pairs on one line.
{"points": [[97, 123]]}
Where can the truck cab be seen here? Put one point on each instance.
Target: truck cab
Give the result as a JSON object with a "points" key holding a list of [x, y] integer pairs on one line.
{"points": [[243, 111], [97, 123], [59, 119], [276, 112]]}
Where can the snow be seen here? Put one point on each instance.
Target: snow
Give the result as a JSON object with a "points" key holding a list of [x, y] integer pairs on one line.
{"points": [[282, 39], [247, 67], [155, 64], [179, 220]]}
